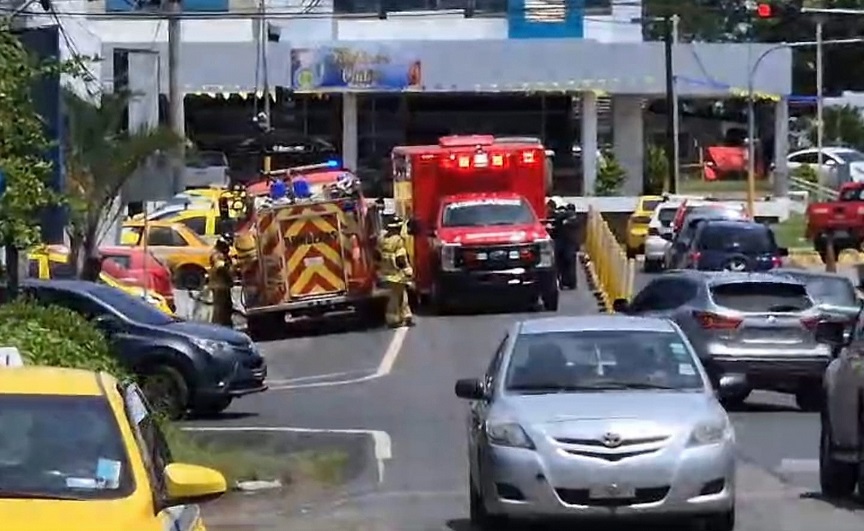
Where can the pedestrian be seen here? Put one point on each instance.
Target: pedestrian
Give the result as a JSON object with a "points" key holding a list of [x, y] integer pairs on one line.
{"points": [[562, 230], [396, 274], [220, 281]]}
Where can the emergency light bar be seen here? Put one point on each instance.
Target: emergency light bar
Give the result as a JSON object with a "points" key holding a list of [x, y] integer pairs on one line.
{"points": [[483, 160], [466, 140], [329, 165]]}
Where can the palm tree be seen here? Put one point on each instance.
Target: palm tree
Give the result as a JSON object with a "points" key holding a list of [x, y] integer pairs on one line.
{"points": [[100, 157]]}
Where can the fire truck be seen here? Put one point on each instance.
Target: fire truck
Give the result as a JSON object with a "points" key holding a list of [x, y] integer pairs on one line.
{"points": [[474, 206], [311, 254]]}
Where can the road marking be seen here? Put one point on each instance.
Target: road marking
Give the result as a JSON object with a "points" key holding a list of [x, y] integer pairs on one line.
{"points": [[382, 444], [384, 368], [798, 466], [325, 376]]}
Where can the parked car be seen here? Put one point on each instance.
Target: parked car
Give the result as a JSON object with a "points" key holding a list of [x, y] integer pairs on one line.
{"points": [[660, 235], [139, 267], [759, 325], [723, 245], [577, 415], [183, 366], [682, 239], [702, 207], [832, 158], [84, 452], [183, 251]]}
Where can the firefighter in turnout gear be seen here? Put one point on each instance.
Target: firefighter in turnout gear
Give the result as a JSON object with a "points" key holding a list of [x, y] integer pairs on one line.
{"points": [[396, 273], [220, 281]]}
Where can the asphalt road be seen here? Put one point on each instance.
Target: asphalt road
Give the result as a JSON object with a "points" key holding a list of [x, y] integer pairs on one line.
{"points": [[354, 382]]}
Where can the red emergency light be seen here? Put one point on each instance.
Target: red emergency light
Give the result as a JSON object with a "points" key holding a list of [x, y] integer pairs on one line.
{"points": [[481, 160], [764, 10]]}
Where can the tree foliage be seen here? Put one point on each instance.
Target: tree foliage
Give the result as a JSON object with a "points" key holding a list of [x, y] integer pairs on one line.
{"points": [[610, 178], [656, 169], [100, 157], [23, 144], [843, 127]]}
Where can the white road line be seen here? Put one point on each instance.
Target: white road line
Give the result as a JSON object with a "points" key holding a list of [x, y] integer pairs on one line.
{"points": [[382, 444], [799, 466], [311, 378], [384, 368]]}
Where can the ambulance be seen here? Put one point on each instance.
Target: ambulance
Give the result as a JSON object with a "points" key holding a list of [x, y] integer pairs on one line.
{"points": [[311, 254], [475, 209]]}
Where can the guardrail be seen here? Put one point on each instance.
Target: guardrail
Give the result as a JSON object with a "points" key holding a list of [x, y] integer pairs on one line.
{"points": [[610, 273], [821, 192]]}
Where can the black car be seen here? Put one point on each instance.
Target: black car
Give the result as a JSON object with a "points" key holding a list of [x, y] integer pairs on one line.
{"points": [[727, 245], [183, 366]]}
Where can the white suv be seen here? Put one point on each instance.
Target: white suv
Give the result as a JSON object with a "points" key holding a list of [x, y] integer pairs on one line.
{"points": [[659, 235]]}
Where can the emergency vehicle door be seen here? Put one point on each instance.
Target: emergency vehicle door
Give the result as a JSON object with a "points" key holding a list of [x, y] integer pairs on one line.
{"points": [[315, 252]]}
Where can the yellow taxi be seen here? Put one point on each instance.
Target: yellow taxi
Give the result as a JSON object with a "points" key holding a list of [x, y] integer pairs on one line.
{"points": [[200, 214], [79, 451], [183, 251], [49, 262], [637, 224]]}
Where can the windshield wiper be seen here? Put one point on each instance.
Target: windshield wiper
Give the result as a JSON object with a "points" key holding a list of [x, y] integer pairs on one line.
{"points": [[644, 385], [25, 495], [546, 389]]}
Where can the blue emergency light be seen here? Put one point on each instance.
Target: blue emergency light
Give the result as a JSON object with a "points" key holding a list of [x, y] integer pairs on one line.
{"points": [[301, 189], [348, 206], [332, 163], [278, 189]]}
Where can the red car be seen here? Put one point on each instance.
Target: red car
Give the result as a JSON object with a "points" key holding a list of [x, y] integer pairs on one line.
{"points": [[134, 265]]}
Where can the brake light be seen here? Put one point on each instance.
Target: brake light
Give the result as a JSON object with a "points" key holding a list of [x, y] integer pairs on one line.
{"points": [[810, 323], [712, 321], [776, 261], [694, 257], [528, 157]]}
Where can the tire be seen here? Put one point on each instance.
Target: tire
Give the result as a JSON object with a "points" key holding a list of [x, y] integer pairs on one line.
{"points": [[810, 398], [212, 407], [837, 479], [651, 266], [550, 300], [166, 390], [480, 518], [190, 278], [721, 522], [735, 402]]}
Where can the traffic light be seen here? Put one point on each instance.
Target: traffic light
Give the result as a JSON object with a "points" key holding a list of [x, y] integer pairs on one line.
{"points": [[764, 10]]}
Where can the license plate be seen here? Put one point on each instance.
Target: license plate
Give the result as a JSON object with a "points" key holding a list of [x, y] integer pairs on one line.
{"points": [[613, 491], [313, 261], [840, 234]]}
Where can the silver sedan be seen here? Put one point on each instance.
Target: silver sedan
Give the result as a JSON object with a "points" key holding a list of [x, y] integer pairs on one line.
{"points": [[599, 417]]}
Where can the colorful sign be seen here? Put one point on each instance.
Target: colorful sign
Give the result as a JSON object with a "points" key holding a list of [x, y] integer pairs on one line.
{"points": [[376, 67]]}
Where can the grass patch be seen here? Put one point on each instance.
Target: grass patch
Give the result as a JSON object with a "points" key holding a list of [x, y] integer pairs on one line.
{"points": [[790, 233], [720, 187], [241, 464]]}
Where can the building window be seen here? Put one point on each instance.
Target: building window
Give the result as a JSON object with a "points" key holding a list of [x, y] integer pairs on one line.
{"points": [[194, 6], [395, 6]]}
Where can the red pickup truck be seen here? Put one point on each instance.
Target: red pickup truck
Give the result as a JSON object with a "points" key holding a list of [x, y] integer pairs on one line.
{"points": [[843, 218]]}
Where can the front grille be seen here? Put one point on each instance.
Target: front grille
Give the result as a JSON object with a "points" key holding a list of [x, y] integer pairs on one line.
{"points": [[253, 363], [598, 449], [624, 442], [583, 497], [497, 257], [613, 457]]}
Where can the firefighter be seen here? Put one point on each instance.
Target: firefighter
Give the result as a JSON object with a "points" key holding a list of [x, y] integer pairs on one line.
{"points": [[562, 230], [220, 282], [396, 273]]}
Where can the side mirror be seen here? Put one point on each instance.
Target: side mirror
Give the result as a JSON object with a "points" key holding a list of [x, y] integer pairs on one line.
{"points": [[470, 389], [732, 385], [831, 333], [187, 484], [620, 306], [782, 251]]}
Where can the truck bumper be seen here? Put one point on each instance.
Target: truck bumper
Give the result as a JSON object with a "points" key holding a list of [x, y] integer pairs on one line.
{"points": [[494, 284]]}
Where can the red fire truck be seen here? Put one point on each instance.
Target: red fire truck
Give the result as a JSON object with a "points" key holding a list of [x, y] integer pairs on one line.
{"points": [[474, 207]]}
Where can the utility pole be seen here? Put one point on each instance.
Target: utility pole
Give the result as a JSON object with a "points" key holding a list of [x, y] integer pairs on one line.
{"points": [[176, 117], [676, 120], [264, 122], [820, 126], [671, 141]]}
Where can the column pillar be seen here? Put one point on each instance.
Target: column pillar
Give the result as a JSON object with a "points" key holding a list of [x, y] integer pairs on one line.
{"points": [[628, 141], [781, 148], [588, 116], [349, 131]]}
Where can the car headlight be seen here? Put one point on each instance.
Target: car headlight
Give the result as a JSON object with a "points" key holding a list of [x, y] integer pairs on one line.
{"points": [[209, 345], [508, 434], [448, 256], [711, 432], [547, 252]]}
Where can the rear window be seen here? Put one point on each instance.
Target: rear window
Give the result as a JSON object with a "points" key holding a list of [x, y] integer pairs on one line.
{"points": [[666, 215], [747, 240], [124, 261], [650, 204], [761, 297]]}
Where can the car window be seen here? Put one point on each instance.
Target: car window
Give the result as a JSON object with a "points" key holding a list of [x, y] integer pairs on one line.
{"points": [[648, 205], [749, 239], [668, 294], [666, 216], [33, 268], [161, 236], [131, 235], [761, 297], [588, 360], [850, 156], [152, 445], [45, 452], [132, 308], [122, 260], [805, 158], [830, 290], [487, 212], [852, 194], [76, 302], [197, 224], [61, 270], [495, 364]]}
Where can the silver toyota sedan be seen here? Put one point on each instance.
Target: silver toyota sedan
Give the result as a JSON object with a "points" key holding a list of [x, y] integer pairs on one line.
{"points": [[599, 417]]}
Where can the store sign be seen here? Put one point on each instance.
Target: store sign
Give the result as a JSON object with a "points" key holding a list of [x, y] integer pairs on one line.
{"points": [[545, 19], [347, 68]]}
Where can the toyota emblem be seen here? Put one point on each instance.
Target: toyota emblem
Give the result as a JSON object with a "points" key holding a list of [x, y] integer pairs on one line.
{"points": [[611, 440], [736, 265]]}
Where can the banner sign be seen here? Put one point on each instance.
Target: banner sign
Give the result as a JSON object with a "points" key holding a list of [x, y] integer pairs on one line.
{"points": [[545, 19], [373, 67]]}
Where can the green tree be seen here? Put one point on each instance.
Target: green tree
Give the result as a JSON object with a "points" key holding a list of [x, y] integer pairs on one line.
{"points": [[656, 170], [100, 158], [23, 149], [610, 177], [843, 126]]}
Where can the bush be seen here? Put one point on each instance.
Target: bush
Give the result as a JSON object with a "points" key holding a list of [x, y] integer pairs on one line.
{"points": [[610, 177], [49, 335], [806, 172], [656, 170]]}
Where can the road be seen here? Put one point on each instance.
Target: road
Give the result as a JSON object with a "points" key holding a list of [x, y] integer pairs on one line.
{"points": [[400, 388]]}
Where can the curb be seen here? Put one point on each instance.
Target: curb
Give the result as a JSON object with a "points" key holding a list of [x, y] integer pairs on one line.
{"points": [[604, 305]]}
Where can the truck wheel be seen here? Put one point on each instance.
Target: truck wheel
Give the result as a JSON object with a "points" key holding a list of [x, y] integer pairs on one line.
{"points": [[836, 478], [550, 300], [810, 398]]}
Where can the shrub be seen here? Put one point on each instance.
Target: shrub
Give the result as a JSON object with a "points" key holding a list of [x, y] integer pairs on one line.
{"points": [[50, 335], [610, 177], [656, 170], [806, 172]]}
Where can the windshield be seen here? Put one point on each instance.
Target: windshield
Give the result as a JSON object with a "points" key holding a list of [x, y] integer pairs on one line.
{"points": [[608, 359], [45, 453], [649, 205], [485, 213], [850, 156], [746, 240], [133, 308]]}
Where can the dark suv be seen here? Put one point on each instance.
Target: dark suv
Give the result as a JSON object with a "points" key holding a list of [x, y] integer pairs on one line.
{"points": [[727, 245]]}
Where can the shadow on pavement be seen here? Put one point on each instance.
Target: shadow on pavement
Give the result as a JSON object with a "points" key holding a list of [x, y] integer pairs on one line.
{"points": [[751, 407], [855, 503], [229, 415], [465, 525]]}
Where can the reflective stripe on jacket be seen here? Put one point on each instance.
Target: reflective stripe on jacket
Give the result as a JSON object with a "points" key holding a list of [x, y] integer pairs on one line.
{"points": [[392, 249]]}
